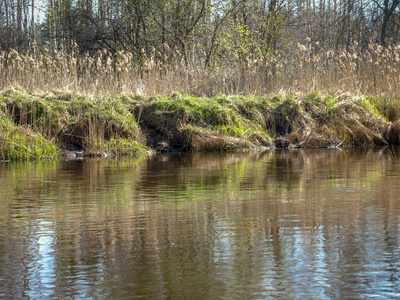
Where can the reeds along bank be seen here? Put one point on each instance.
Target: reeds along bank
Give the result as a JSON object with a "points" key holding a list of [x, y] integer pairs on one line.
{"points": [[374, 70]]}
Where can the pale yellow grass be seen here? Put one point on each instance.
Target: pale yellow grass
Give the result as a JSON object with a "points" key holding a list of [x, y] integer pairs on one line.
{"points": [[374, 71]]}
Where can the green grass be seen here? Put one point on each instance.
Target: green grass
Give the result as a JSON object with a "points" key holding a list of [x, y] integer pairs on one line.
{"points": [[35, 124], [18, 143], [98, 125]]}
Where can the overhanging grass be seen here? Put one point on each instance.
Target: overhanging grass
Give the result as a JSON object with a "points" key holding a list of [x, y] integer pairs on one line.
{"points": [[96, 125], [122, 125], [303, 120]]}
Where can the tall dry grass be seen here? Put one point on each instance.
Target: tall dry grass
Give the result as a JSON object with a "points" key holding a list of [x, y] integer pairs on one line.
{"points": [[375, 71]]}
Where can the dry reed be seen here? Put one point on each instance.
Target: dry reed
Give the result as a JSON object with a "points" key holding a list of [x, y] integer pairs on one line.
{"points": [[374, 71]]}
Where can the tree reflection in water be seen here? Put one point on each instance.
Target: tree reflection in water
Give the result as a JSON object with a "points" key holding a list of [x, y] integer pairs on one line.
{"points": [[313, 224]]}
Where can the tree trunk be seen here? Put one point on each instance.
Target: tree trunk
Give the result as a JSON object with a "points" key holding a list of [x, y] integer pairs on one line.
{"points": [[385, 21], [33, 23]]}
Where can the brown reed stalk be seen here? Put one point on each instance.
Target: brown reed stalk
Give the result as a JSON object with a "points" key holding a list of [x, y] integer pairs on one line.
{"points": [[375, 71]]}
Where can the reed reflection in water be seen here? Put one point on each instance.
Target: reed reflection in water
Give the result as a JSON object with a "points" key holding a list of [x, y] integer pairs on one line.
{"points": [[301, 224]]}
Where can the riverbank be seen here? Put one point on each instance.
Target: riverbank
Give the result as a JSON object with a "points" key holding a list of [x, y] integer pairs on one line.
{"points": [[47, 125]]}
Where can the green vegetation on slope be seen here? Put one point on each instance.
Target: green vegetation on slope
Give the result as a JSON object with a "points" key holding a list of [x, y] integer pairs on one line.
{"points": [[18, 143], [123, 125], [96, 125]]}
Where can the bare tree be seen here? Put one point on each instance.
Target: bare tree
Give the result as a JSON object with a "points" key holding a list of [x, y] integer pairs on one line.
{"points": [[388, 8]]}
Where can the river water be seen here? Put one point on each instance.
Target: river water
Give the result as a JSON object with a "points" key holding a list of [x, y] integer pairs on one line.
{"points": [[298, 224]]}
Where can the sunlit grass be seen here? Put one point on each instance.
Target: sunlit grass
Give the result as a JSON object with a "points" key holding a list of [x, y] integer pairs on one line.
{"points": [[119, 125], [19, 143], [371, 71]]}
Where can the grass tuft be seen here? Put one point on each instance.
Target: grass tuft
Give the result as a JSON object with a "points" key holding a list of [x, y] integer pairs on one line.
{"points": [[34, 124], [19, 143]]}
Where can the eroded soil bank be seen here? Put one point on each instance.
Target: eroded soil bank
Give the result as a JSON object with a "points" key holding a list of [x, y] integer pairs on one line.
{"points": [[39, 126]]}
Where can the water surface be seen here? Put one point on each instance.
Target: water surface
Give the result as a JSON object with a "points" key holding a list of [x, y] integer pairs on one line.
{"points": [[299, 224]]}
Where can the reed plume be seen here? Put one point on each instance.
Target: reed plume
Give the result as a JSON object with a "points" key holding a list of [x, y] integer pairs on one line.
{"points": [[373, 71]]}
